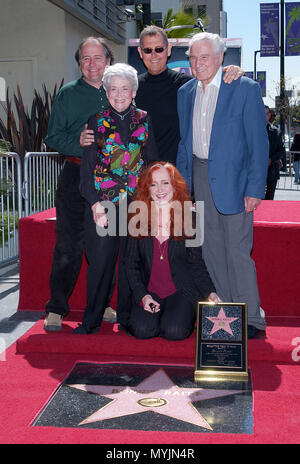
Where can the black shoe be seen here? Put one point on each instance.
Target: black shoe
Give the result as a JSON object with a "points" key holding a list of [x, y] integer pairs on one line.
{"points": [[254, 332], [83, 330]]}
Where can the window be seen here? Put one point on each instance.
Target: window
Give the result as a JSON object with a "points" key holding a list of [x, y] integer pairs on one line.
{"points": [[201, 10], [193, 8]]}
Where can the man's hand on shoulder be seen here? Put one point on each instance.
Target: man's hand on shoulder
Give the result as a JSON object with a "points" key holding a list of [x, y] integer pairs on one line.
{"points": [[86, 137], [232, 73]]}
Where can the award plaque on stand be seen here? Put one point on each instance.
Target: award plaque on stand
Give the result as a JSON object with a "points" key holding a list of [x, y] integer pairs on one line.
{"points": [[221, 345]]}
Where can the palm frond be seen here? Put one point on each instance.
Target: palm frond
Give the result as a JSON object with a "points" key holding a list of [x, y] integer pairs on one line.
{"points": [[180, 19]]}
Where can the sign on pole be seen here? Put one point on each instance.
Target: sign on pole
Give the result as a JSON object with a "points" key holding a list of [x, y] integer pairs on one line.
{"points": [[269, 29], [292, 31], [261, 80]]}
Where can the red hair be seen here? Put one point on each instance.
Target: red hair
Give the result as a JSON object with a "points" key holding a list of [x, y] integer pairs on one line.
{"points": [[180, 195]]}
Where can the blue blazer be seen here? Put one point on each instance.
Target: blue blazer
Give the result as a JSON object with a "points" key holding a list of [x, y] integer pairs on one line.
{"points": [[239, 147]]}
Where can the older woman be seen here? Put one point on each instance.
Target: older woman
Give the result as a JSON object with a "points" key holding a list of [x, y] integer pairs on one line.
{"points": [[166, 276], [110, 169]]}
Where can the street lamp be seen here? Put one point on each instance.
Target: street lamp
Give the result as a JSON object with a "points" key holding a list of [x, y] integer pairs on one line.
{"points": [[282, 78], [254, 73]]}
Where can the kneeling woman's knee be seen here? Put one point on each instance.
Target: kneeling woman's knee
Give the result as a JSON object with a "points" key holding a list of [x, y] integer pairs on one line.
{"points": [[142, 332]]}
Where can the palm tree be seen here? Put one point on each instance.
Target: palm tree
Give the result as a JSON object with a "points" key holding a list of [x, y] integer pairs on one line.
{"points": [[180, 19], [295, 16], [170, 20]]}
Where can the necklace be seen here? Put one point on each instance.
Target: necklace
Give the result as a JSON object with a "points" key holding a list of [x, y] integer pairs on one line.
{"points": [[162, 249], [122, 116]]}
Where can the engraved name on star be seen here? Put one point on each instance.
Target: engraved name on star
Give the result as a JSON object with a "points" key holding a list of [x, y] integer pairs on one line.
{"points": [[156, 393]]}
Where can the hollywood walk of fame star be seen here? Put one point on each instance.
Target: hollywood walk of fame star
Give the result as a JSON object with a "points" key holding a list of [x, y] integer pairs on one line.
{"points": [[221, 322], [155, 393]]}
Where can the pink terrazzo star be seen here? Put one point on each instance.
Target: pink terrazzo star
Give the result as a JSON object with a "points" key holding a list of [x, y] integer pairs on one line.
{"points": [[221, 322], [156, 393]]}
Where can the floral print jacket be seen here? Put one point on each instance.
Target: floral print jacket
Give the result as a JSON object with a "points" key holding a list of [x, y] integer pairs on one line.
{"points": [[118, 165], [110, 167]]}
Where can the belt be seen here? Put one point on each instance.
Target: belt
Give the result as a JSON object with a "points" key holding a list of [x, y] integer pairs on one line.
{"points": [[73, 159], [200, 160]]}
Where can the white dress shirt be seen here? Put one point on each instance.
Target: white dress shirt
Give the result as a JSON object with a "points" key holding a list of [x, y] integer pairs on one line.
{"points": [[203, 115]]}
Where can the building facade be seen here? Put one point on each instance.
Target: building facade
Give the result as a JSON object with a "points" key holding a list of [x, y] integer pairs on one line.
{"points": [[38, 39], [211, 8]]}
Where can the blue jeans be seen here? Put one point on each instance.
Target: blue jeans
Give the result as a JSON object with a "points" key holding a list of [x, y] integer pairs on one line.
{"points": [[296, 169]]}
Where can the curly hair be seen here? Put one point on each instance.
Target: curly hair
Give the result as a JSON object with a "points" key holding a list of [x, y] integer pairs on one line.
{"points": [[180, 196]]}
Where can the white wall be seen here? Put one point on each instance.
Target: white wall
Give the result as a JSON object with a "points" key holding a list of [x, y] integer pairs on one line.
{"points": [[37, 45], [31, 41]]}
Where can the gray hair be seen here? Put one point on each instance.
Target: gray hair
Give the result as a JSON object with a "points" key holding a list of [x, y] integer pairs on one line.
{"points": [[215, 39], [123, 70], [152, 31]]}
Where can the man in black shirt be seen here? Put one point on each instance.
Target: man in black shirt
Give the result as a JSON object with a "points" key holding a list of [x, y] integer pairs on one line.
{"points": [[157, 92]]}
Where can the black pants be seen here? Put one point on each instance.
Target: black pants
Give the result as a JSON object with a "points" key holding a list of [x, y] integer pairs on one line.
{"points": [[102, 254], [68, 250], [174, 321], [270, 190]]}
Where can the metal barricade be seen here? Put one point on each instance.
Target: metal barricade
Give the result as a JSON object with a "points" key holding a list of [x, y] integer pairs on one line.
{"points": [[41, 171], [10, 206], [287, 179]]}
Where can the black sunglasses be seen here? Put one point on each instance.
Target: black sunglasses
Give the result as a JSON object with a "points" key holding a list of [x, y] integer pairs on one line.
{"points": [[156, 49]]}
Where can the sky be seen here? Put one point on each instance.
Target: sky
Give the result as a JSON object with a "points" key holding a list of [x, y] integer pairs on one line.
{"points": [[243, 21]]}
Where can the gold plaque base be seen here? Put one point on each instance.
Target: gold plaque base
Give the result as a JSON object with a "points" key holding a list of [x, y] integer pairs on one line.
{"points": [[221, 347], [215, 376]]}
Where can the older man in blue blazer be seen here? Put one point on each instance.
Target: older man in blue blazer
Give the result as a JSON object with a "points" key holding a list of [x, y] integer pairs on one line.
{"points": [[223, 156]]}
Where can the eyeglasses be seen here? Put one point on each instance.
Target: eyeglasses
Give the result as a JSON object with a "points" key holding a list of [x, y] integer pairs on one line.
{"points": [[156, 49]]}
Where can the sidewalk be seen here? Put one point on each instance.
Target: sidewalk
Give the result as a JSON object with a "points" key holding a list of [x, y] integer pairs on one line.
{"points": [[14, 324]]}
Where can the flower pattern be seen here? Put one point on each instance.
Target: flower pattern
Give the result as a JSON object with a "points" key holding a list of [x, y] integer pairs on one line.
{"points": [[119, 166]]}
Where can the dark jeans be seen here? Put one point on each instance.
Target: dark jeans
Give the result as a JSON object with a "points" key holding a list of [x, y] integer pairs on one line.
{"points": [[270, 191], [102, 254], [174, 321], [68, 250]]}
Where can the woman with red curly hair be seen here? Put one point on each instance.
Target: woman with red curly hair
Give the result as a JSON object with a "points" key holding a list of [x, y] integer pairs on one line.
{"points": [[166, 276]]}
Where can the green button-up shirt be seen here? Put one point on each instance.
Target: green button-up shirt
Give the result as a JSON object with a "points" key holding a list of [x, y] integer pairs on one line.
{"points": [[74, 104]]}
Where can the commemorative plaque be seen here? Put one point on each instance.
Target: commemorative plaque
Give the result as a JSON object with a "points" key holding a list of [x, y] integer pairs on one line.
{"points": [[221, 344]]}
